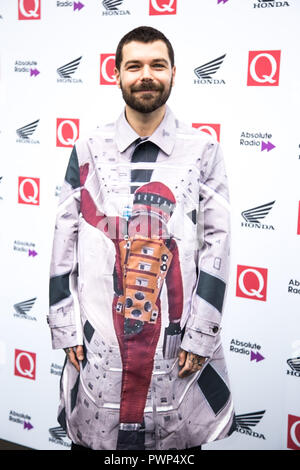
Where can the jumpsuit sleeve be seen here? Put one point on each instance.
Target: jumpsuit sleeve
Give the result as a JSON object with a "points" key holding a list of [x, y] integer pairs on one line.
{"points": [[202, 332], [64, 314], [174, 286]]}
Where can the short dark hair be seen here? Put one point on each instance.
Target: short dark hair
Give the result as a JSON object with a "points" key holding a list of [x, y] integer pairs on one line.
{"points": [[143, 34]]}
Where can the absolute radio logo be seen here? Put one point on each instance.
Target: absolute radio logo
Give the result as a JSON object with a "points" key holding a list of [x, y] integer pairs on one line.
{"points": [[258, 140], [21, 418], [252, 282], [66, 72], [263, 68], [270, 4], [247, 349], [27, 66], [28, 190], [111, 8], [205, 73], [29, 9], [254, 217], [162, 7], [57, 190], [213, 129], [294, 286], [293, 437], [298, 225], [67, 132], [56, 369], [25, 364], [107, 69], [77, 6], [24, 247]]}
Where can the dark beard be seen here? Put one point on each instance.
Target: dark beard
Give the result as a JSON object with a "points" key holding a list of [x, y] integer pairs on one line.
{"points": [[147, 103]]}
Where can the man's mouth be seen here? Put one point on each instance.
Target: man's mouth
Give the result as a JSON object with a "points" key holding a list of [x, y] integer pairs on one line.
{"points": [[145, 90]]}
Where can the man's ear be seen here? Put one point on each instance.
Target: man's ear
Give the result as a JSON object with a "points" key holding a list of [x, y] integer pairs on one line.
{"points": [[117, 75], [173, 75]]}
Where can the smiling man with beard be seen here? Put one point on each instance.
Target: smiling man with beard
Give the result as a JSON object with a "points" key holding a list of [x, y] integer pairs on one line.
{"points": [[139, 271]]}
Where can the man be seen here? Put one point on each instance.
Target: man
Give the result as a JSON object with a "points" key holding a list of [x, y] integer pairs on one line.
{"points": [[139, 271]]}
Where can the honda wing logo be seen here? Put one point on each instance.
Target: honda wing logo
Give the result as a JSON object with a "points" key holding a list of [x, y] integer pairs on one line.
{"points": [[249, 420], [27, 131], [255, 214], [207, 70], [112, 4], [57, 433], [67, 70], [294, 364], [246, 423], [24, 307]]}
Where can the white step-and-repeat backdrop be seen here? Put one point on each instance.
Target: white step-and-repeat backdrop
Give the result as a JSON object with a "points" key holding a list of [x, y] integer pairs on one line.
{"points": [[237, 77]]}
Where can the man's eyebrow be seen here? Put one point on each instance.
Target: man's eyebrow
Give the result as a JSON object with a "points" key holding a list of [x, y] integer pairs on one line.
{"points": [[128, 62]]}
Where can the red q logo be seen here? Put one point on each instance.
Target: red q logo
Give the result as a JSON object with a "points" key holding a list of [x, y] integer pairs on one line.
{"points": [[212, 129], [252, 282], [29, 9], [293, 438], [29, 190], [107, 69], [163, 7], [67, 132], [263, 68], [25, 364]]}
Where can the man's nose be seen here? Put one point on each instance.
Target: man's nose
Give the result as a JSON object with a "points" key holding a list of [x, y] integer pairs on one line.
{"points": [[146, 73]]}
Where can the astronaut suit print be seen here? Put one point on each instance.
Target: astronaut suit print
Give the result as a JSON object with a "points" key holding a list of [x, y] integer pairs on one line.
{"points": [[146, 257]]}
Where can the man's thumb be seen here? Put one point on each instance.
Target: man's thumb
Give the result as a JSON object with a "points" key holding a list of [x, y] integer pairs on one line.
{"points": [[79, 353], [181, 357]]}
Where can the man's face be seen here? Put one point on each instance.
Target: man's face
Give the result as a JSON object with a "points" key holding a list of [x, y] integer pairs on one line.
{"points": [[145, 76]]}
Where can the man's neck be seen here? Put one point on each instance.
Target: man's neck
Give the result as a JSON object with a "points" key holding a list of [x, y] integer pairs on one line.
{"points": [[144, 124]]}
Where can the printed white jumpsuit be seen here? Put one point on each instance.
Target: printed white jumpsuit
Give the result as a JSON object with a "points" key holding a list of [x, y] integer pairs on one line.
{"points": [[139, 268]]}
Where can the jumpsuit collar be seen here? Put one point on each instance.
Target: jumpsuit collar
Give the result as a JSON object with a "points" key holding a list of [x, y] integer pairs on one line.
{"points": [[163, 136]]}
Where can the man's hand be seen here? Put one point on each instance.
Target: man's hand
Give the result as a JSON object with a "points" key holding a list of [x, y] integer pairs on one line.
{"points": [[189, 363], [75, 355]]}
